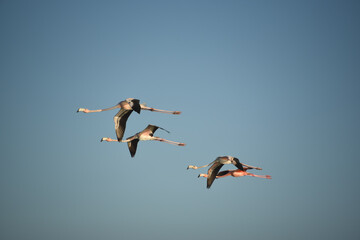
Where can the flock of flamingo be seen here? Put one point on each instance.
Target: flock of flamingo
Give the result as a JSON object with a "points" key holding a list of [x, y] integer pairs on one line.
{"points": [[130, 104]]}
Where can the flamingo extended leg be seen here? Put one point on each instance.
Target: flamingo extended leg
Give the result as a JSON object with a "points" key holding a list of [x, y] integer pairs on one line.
{"points": [[168, 141], [158, 110], [259, 176], [85, 110], [251, 167]]}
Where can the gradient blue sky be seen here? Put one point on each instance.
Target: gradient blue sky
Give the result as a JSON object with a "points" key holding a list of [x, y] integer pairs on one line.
{"points": [[274, 83]]}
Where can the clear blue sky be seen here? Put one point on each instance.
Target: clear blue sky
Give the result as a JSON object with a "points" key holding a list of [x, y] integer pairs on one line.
{"points": [[274, 83]]}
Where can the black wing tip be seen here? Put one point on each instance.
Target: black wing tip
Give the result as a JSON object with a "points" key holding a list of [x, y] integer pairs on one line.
{"points": [[136, 105], [164, 129], [240, 166], [132, 154], [132, 145]]}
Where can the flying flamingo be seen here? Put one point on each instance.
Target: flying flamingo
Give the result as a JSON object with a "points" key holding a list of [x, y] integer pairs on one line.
{"points": [[126, 108], [217, 165], [236, 173], [144, 135]]}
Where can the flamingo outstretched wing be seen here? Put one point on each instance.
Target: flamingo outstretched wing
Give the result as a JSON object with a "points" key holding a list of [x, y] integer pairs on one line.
{"points": [[120, 122], [212, 172]]}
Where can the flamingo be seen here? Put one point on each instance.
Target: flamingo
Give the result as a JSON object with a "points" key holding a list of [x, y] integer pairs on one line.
{"points": [[144, 135], [126, 108], [236, 173], [217, 165]]}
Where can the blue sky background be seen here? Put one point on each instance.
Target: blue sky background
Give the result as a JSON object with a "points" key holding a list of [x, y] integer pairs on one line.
{"points": [[274, 83]]}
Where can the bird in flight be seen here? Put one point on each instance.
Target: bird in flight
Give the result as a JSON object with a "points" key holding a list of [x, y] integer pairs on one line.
{"points": [[216, 165], [145, 135], [126, 108], [236, 173]]}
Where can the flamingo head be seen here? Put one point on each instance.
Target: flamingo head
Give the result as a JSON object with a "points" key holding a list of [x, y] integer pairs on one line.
{"points": [[192, 167]]}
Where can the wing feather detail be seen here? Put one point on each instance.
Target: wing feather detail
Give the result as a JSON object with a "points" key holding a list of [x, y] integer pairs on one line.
{"points": [[212, 172], [222, 173], [120, 122], [238, 164], [133, 146], [153, 128], [135, 105]]}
